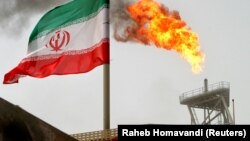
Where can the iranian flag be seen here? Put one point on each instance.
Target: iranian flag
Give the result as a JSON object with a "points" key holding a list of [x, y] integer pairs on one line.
{"points": [[71, 38]]}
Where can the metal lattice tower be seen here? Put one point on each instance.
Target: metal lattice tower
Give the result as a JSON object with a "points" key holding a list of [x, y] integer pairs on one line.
{"points": [[212, 101]]}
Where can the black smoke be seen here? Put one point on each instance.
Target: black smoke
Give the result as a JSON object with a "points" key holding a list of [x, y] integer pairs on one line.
{"points": [[120, 18], [16, 14]]}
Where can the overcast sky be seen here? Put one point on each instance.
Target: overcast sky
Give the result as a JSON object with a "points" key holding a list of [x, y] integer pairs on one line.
{"points": [[146, 82]]}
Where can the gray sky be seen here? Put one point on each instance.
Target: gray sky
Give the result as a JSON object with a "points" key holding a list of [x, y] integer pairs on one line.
{"points": [[146, 82]]}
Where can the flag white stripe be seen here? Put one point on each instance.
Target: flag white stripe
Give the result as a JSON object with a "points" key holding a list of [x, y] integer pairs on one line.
{"points": [[83, 35]]}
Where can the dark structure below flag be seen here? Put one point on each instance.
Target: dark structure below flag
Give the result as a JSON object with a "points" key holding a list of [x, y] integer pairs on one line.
{"points": [[18, 125]]}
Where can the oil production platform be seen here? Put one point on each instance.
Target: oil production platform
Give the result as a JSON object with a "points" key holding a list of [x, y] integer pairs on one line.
{"points": [[211, 101]]}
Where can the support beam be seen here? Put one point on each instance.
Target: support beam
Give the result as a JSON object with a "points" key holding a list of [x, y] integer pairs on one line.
{"points": [[192, 116], [214, 117], [230, 119]]}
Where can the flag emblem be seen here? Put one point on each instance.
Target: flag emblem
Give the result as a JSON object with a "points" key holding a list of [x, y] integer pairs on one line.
{"points": [[59, 40]]}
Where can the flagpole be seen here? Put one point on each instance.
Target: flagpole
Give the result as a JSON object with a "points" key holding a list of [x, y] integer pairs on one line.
{"points": [[106, 87], [106, 97]]}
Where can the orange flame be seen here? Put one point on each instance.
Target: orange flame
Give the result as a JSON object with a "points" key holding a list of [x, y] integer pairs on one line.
{"points": [[155, 24]]}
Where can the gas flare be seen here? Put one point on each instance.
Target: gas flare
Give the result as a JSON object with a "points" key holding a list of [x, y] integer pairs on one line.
{"points": [[154, 24]]}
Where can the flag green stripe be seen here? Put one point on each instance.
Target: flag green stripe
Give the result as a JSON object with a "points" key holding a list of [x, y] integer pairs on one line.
{"points": [[71, 13]]}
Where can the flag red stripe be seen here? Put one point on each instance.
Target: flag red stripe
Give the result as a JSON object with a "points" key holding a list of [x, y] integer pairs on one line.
{"points": [[65, 64]]}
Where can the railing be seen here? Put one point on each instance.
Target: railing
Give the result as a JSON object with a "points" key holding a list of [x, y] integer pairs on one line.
{"points": [[104, 135], [201, 90]]}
